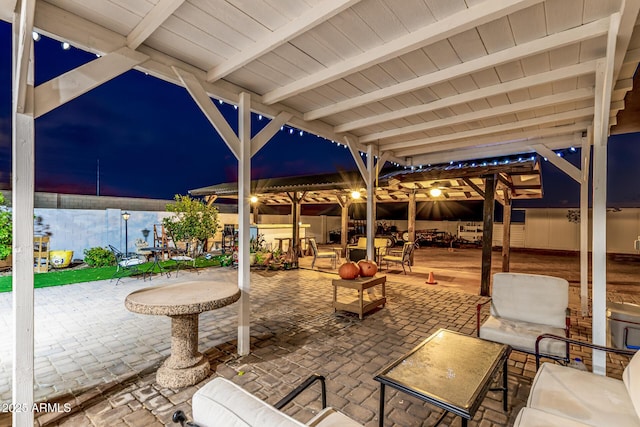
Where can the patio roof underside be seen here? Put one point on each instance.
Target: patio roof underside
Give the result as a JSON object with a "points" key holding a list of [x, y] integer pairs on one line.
{"points": [[519, 178], [424, 81]]}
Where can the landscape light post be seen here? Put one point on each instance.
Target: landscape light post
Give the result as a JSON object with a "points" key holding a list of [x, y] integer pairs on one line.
{"points": [[125, 216]]}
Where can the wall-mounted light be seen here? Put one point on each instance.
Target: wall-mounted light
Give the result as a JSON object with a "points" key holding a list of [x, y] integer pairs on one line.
{"points": [[355, 194], [36, 36], [254, 199], [66, 46], [435, 192]]}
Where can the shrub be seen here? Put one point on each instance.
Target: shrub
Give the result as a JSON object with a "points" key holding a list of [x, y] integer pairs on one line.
{"points": [[6, 226], [99, 257], [193, 220]]}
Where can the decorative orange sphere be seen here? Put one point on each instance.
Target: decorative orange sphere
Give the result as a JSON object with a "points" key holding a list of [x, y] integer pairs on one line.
{"points": [[349, 271], [368, 268]]}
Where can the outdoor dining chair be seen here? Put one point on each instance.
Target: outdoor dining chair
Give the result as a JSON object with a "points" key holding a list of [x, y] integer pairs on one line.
{"points": [[325, 254], [403, 258], [125, 265], [185, 256]]}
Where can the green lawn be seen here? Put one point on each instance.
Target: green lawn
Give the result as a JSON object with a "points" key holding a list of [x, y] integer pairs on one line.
{"points": [[67, 277]]}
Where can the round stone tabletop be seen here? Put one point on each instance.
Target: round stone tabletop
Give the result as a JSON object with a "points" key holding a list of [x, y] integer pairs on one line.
{"points": [[182, 298]]}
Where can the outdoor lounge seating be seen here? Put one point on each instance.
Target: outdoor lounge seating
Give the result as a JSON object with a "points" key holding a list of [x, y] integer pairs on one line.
{"points": [[525, 306], [359, 251], [568, 397], [185, 254], [403, 258], [222, 403], [324, 254], [125, 265]]}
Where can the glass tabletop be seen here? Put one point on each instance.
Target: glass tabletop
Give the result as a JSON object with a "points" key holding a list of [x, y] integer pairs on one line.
{"points": [[450, 369]]}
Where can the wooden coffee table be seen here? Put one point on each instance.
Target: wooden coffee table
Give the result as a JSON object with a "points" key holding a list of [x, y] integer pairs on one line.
{"points": [[450, 370], [360, 284]]}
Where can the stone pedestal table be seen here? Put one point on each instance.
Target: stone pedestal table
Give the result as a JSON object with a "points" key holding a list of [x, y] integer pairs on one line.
{"points": [[183, 302]]}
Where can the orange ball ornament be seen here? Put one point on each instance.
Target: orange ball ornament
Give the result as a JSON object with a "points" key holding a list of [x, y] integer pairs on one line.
{"points": [[349, 271]]}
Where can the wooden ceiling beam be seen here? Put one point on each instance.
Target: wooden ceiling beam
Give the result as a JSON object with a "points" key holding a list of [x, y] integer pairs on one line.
{"points": [[456, 23], [152, 20], [314, 16], [484, 114], [575, 70], [544, 44]]}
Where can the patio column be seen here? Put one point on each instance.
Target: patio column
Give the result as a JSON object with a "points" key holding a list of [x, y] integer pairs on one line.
{"points": [[585, 153], [411, 220], [506, 230], [23, 137], [344, 201], [487, 233], [604, 70], [244, 213], [371, 204]]}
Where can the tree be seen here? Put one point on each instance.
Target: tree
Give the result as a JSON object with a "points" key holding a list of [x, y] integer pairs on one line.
{"points": [[6, 229], [193, 220]]}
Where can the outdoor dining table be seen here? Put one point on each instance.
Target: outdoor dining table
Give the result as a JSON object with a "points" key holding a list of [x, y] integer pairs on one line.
{"points": [[155, 250], [183, 302]]}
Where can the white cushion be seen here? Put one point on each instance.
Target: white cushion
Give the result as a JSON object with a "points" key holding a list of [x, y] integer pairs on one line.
{"points": [[329, 417], [181, 258], [530, 417], [631, 378], [530, 298], [522, 335], [592, 399], [130, 262], [222, 403]]}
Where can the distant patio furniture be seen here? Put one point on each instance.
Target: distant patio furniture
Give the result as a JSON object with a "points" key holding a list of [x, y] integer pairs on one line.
{"points": [[358, 251], [325, 254], [403, 258], [185, 254], [125, 266]]}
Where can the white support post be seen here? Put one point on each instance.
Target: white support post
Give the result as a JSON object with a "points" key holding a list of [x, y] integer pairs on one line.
{"points": [[604, 84], [22, 207], [584, 222], [244, 212], [371, 203]]}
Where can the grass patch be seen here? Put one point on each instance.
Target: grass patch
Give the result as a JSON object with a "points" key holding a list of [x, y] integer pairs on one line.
{"points": [[67, 277]]}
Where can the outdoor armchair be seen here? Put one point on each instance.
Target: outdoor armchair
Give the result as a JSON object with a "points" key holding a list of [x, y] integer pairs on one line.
{"points": [[324, 254], [566, 397], [185, 254], [223, 403], [403, 258], [125, 265], [523, 307]]}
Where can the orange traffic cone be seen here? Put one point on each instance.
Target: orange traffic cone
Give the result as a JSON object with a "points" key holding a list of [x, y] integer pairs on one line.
{"points": [[431, 280]]}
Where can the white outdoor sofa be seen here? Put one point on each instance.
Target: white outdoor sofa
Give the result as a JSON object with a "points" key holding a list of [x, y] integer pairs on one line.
{"points": [[525, 306], [222, 403], [562, 396]]}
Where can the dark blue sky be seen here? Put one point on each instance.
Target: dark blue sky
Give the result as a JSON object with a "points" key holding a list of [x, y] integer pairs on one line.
{"points": [[153, 141]]}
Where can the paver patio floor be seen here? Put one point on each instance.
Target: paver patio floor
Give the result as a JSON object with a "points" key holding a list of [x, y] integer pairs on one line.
{"points": [[94, 354]]}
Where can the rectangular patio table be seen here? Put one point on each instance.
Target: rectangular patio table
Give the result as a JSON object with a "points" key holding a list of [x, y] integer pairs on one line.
{"points": [[450, 370]]}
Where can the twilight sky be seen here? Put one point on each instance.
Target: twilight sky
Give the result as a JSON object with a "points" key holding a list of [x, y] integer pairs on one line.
{"points": [[151, 140]]}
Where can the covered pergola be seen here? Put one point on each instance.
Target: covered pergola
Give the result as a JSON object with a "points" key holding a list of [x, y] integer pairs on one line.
{"points": [[412, 82], [501, 180]]}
